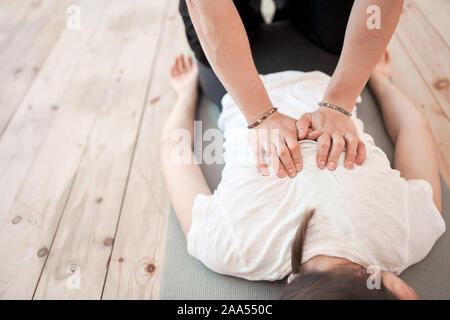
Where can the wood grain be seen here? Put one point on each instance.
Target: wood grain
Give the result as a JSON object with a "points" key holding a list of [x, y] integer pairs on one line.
{"points": [[437, 13], [86, 232], [27, 39], [428, 51], [137, 259], [40, 150]]}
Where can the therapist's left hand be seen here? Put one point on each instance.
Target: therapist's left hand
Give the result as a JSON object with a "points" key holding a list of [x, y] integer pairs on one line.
{"points": [[338, 131]]}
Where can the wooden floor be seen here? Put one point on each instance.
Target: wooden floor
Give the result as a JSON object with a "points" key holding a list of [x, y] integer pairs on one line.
{"points": [[83, 209]]}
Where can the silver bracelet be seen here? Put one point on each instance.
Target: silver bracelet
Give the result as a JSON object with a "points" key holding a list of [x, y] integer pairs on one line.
{"points": [[337, 108]]}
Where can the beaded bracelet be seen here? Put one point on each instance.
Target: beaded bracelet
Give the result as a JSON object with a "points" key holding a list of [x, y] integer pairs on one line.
{"points": [[263, 117], [332, 106]]}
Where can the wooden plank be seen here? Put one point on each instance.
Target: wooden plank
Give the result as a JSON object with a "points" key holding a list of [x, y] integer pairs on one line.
{"points": [[437, 12], [406, 76], [28, 128], [85, 235], [26, 51], [8, 12], [32, 158], [135, 265], [428, 51], [12, 19]]}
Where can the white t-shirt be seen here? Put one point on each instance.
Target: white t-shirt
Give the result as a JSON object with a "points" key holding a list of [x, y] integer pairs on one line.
{"points": [[369, 215]]}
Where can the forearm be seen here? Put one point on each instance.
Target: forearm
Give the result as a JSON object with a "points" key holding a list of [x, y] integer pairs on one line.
{"points": [[225, 43], [361, 51], [183, 176], [181, 117]]}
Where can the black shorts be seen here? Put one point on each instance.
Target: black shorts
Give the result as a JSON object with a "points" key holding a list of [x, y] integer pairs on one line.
{"points": [[322, 21]]}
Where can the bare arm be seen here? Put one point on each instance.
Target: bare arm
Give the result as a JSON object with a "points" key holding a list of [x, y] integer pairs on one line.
{"points": [[225, 43], [362, 48], [184, 179]]}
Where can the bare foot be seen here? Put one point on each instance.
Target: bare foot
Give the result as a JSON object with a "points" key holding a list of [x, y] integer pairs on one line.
{"points": [[184, 75], [383, 67]]}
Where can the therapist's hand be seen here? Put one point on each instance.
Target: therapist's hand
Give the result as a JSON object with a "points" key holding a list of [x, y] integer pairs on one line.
{"points": [[277, 137], [338, 131]]}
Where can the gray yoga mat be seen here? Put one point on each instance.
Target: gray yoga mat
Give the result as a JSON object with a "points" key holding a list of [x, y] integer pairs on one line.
{"points": [[281, 48]]}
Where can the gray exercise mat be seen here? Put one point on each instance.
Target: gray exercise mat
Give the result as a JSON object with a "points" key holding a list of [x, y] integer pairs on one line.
{"points": [[186, 278]]}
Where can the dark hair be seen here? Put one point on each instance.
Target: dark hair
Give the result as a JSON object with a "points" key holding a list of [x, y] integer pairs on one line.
{"points": [[342, 283]]}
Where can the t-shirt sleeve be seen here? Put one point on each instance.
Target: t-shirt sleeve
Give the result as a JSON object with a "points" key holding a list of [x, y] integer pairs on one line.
{"points": [[210, 238], [425, 221]]}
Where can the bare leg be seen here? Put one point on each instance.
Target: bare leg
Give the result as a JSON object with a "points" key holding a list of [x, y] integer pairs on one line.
{"points": [[415, 156]]}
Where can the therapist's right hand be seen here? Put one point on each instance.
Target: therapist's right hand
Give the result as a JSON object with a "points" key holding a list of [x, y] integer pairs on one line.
{"points": [[277, 137]]}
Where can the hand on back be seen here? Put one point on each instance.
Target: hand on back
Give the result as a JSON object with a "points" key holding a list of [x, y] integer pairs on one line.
{"points": [[338, 131], [278, 136]]}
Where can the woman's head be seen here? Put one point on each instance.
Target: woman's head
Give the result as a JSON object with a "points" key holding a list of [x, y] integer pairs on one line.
{"points": [[342, 283], [337, 280]]}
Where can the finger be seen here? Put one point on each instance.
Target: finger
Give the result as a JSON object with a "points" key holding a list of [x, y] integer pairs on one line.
{"points": [[337, 146], [286, 159], [275, 162], [387, 56], [360, 153], [173, 71], [294, 149], [183, 63], [351, 143], [323, 148], [313, 135], [303, 124], [175, 66], [179, 69], [190, 62], [261, 164], [258, 152]]}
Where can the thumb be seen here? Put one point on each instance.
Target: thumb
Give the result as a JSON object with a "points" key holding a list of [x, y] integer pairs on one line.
{"points": [[303, 124], [314, 135]]}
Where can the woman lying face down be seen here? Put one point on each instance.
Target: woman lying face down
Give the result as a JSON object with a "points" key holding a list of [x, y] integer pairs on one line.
{"points": [[335, 234]]}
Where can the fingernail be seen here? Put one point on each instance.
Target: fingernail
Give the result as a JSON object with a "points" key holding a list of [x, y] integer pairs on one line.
{"points": [[300, 132], [298, 167], [349, 165], [332, 165], [291, 173], [265, 171], [281, 172], [322, 165]]}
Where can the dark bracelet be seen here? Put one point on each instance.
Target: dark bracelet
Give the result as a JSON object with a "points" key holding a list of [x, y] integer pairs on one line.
{"points": [[263, 117], [332, 106]]}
